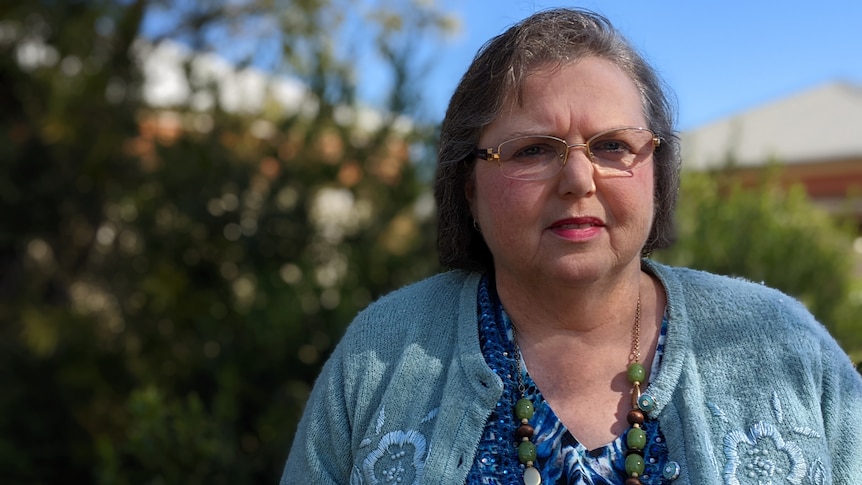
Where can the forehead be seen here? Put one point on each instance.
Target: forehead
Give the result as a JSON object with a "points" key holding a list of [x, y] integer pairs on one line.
{"points": [[590, 93], [579, 73]]}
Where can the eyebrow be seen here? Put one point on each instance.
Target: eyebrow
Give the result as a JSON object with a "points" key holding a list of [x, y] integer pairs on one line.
{"points": [[520, 134]]}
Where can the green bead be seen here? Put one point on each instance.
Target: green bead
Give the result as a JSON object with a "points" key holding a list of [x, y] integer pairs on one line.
{"points": [[524, 408], [636, 372], [634, 464], [526, 452], [636, 439]]}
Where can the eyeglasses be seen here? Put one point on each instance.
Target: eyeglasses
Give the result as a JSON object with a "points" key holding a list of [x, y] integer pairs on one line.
{"points": [[538, 157]]}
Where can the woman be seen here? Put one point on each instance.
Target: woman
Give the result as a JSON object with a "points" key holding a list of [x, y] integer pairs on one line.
{"points": [[555, 352]]}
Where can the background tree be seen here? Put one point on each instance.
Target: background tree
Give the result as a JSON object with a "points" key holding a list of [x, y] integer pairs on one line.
{"points": [[775, 235], [172, 277]]}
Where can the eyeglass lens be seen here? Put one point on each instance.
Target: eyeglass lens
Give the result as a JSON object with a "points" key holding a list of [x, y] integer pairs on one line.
{"points": [[533, 157]]}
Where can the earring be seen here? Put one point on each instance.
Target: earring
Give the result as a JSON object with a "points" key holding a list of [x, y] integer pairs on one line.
{"points": [[476, 226]]}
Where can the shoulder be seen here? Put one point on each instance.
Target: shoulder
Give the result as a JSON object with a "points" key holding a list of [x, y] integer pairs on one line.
{"points": [[432, 306], [713, 297], [426, 292], [743, 321], [429, 297]]}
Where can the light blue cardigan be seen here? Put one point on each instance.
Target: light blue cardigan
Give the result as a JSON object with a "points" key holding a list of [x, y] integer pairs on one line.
{"points": [[750, 387]]}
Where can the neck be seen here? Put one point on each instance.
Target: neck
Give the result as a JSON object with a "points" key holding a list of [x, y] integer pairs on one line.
{"points": [[590, 312]]}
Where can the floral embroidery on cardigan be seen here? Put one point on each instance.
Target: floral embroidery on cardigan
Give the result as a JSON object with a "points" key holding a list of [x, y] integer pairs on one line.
{"points": [[381, 418], [398, 458], [818, 473], [762, 455]]}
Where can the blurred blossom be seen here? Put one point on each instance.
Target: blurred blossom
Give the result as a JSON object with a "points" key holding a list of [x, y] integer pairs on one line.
{"points": [[71, 66], [232, 231], [343, 115], [248, 223], [165, 217], [425, 206], [115, 92], [330, 146], [130, 243], [34, 53], [105, 234], [349, 174], [269, 167], [41, 253], [91, 300], [334, 213], [215, 207], [229, 202], [332, 271], [290, 273], [244, 290], [9, 32], [287, 198], [202, 101], [330, 298], [388, 165], [128, 211], [253, 197], [262, 129], [400, 234], [203, 123]]}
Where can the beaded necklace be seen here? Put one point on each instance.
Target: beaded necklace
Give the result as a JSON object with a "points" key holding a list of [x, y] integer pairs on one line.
{"points": [[635, 437]]}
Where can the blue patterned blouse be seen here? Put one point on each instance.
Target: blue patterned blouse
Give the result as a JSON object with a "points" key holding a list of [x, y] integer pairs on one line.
{"points": [[560, 458]]}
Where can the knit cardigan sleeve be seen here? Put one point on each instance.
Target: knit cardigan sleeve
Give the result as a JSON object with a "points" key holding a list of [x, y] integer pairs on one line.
{"points": [[842, 409], [323, 432], [405, 394]]}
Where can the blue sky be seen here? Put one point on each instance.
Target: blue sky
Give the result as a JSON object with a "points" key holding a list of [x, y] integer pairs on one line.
{"points": [[718, 57]]}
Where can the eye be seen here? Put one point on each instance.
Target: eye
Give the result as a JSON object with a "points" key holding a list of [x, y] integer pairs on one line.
{"points": [[536, 150], [610, 146]]}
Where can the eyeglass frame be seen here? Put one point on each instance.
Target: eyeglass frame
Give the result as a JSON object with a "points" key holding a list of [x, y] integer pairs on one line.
{"points": [[489, 154]]}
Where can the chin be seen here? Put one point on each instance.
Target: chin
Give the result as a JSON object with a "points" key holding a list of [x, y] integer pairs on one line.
{"points": [[584, 269]]}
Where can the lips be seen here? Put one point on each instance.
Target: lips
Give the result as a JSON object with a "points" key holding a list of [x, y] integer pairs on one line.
{"points": [[577, 223]]}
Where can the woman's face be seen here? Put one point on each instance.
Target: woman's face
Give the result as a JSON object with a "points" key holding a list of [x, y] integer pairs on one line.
{"points": [[579, 226]]}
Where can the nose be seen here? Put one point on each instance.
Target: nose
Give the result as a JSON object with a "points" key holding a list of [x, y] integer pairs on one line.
{"points": [[578, 173]]}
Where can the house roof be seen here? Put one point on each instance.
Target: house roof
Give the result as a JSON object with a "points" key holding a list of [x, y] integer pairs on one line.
{"points": [[814, 126]]}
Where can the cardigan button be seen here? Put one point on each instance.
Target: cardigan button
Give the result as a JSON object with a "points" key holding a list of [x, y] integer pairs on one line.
{"points": [[671, 470], [646, 403]]}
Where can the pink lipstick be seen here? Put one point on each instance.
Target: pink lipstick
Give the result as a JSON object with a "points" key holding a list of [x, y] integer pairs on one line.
{"points": [[577, 228]]}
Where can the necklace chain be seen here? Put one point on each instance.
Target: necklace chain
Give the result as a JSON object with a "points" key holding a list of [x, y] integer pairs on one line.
{"points": [[635, 354]]}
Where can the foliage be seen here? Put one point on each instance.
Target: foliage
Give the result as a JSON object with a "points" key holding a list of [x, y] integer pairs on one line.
{"points": [[771, 234], [171, 279]]}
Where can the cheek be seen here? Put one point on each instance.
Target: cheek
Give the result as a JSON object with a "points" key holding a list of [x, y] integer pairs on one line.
{"points": [[629, 198], [497, 196], [642, 194]]}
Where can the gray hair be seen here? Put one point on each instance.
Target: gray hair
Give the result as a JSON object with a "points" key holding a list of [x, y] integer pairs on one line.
{"points": [[497, 72]]}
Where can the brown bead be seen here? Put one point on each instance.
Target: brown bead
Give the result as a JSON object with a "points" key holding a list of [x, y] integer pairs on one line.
{"points": [[633, 481], [524, 431], [635, 416]]}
